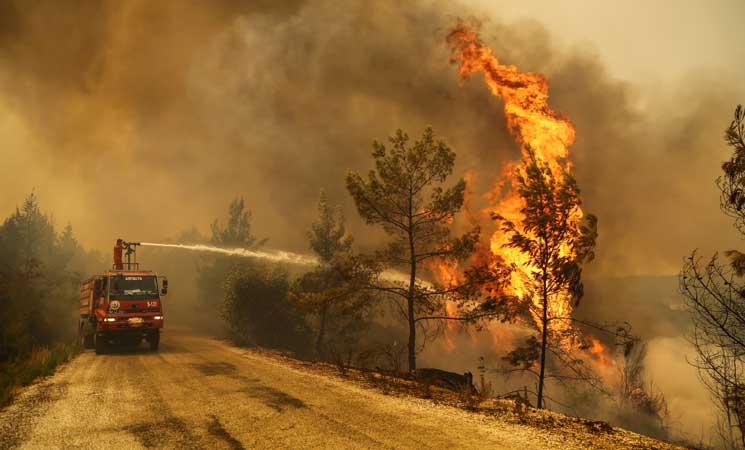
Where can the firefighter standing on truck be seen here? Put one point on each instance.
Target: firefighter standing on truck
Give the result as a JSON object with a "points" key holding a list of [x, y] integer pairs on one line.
{"points": [[118, 250]]}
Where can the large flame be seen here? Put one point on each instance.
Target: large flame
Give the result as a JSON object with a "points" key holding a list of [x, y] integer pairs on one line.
{"points": [[535, 126]]}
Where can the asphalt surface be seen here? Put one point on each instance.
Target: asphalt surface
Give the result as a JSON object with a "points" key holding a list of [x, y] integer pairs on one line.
{"points": [[202, 393]]}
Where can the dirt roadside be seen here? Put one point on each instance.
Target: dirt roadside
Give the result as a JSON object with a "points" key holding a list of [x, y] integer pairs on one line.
{"points": [[201, 393]]}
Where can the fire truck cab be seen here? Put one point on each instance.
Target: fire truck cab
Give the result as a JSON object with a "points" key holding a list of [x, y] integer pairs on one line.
{"points": [[123, 305]]}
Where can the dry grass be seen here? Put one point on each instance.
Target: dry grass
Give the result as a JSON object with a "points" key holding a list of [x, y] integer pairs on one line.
{"points": [[42, 361], [596, 434]]}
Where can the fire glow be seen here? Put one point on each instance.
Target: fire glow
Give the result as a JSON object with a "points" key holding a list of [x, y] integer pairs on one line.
{"points": [[535, 127]]}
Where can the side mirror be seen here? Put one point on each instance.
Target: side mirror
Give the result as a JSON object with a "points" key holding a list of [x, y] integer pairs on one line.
{"points": [[164, 289]]}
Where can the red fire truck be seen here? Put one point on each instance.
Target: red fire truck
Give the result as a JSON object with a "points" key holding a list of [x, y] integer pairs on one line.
{"points": [[123, 305]]}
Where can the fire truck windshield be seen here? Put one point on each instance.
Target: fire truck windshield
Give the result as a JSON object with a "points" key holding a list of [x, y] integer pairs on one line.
{"points": [[123, 287]]}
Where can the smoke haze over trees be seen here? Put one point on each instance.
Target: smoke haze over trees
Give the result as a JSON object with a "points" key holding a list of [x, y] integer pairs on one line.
{"points": [[715, 297], [213, 270], [40, 271], [197, 100], [143, 119], [335, 295]]}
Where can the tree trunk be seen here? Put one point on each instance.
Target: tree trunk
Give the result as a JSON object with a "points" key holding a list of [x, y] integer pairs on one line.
{"points": [[544, 338], [412, 289], [410, 309], [321, 331]]}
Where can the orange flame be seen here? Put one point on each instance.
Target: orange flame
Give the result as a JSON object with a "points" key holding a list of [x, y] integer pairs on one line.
{"points": [[548, 134], [602, 360], [529, 118], [535, 126]]}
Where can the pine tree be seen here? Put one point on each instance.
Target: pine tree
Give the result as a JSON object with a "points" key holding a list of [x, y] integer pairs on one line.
{"points": [[335, 291], [406, 196], [556, 241]]}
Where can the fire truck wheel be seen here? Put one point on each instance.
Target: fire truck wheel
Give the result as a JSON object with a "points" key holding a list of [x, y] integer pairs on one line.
{"points": [[99, 344], [88, 340], [154, 342]]}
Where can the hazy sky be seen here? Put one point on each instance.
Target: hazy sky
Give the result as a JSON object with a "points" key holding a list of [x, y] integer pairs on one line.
{"points": [[642, 41]]}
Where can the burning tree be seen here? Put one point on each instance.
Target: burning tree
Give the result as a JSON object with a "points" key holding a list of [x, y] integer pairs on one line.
{"points": [[556, 240], [715, 295], [405, 195], [544, 236]]}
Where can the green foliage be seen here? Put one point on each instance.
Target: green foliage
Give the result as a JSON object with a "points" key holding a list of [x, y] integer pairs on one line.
{"points": [[404, 193], [237, 232], [213, 270], [732, 184], [334, 296], [39, 363], [258, 311], [328, 236], [40, 271], [406, 197]]}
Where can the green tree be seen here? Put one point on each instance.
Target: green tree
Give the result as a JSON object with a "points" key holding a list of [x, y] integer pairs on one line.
{"points": [[334, 293], [405, 194], [237, 230], [328, 236], [212, 271], [556, 241], [38, 282]]}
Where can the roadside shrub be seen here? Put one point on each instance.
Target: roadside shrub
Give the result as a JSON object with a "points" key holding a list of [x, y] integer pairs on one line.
{"points": [[258, 311], [40, 362]]}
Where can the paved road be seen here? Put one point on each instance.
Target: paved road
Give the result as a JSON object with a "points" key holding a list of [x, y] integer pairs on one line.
{"points": [[201, 393]]}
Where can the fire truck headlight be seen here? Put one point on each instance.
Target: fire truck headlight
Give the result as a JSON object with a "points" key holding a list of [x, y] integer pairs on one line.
{"points": [[158, 317], [109, 319]]}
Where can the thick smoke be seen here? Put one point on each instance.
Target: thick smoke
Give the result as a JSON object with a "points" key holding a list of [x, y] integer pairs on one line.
{"points": [[155, 116], [142, 119]]}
